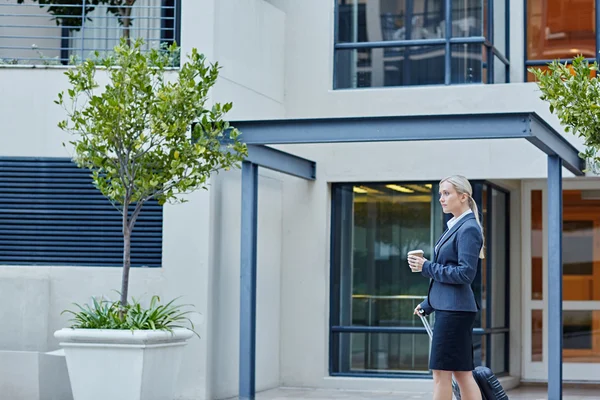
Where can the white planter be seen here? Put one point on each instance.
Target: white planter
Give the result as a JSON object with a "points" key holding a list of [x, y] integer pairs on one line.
{"points": [[123, 364]]}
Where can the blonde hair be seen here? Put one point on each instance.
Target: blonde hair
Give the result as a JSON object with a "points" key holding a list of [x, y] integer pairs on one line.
{"points": [[463, 186]]}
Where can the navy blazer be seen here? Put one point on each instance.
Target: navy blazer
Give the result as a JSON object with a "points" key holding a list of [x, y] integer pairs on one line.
{"points": [[453, 268]]}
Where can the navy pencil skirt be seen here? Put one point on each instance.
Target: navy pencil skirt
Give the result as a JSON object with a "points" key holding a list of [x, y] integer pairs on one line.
{"points": [[452, 343]]}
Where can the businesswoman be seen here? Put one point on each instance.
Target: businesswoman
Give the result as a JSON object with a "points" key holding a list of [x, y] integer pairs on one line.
{"points": [[453, 269]]}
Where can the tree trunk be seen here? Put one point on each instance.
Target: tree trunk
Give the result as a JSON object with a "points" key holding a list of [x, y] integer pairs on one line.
{"points": [[126, 25], [126, 20], [126, 258]]}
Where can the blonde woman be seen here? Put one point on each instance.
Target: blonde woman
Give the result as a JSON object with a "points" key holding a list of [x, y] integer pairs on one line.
{"points": [[453, 269]]}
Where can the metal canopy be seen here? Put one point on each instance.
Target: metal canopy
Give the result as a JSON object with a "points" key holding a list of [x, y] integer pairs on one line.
{"points": [[257, 134], [527, 126]]}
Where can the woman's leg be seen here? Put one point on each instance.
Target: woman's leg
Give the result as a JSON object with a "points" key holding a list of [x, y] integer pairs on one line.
{"points": [[468, 387], [442, 385]]}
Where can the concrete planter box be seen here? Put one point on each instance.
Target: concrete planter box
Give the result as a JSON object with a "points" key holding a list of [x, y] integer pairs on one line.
{"points": [[121, 364]]}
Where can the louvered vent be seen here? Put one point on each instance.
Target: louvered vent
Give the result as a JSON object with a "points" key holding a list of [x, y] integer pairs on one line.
{"points": [[51, 214]]}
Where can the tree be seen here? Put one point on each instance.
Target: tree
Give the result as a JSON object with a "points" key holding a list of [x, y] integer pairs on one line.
{"points": [[573, 94], [70, 13], [144, 137]]}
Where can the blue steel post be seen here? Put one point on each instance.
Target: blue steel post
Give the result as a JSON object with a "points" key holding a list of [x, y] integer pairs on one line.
{"points": [[555, 278], [490, 37], [248, 281], [448, 30]]}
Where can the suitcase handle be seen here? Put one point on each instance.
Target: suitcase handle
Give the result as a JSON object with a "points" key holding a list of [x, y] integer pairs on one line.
{"points": [[427, 325]]}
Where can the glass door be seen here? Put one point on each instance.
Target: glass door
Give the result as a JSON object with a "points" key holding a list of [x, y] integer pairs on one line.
{"points": [[581, 281], [581, 284]]}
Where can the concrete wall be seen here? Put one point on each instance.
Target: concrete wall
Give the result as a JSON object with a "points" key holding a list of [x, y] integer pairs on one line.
{"points": [[249, 43], [253, 80]]}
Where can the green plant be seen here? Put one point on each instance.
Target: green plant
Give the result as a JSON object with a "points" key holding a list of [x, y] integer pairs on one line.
{"points": [[106, 314], [573, 94], [144, 136]]}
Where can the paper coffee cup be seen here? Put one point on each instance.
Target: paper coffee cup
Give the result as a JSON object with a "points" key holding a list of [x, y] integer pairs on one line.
{"points": [[418, 253]]}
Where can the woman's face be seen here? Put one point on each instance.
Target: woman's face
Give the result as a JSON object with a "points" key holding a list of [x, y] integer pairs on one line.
{"points": [[451, 201]]}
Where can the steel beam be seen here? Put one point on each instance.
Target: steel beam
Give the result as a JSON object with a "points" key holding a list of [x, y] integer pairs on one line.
{"points": [[281, 161], [414, 128]]}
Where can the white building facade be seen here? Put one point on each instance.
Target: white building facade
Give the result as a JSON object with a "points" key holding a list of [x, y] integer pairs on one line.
{"points": [[334, 292]]}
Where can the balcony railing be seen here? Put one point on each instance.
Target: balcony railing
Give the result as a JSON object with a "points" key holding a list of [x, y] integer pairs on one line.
{"points": [[63, 34]]}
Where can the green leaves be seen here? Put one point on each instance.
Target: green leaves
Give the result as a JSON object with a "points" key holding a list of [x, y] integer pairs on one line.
{"points": [[105, 314], [135, 134], [147, 133], [573, 94]]}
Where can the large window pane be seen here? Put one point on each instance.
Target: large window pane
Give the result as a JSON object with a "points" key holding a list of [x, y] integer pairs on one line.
{"points": [[389, 221], [498, 359], [537, 245], [415, 65], [581, 276], [500, 26], [382, 353], [498, 245], [467, 18], [481, 193], [479, 350], [499, 71], [580, 336], [537, 335], [560, 29], [377, 20], [467, 65], [375, 225]]}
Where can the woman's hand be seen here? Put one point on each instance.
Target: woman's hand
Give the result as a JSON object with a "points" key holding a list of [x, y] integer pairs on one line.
{"points": [[417, 309], [416, 263]]}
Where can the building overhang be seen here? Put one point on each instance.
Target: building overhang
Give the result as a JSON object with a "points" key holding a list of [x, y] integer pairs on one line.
{"points": [[527, 125]]}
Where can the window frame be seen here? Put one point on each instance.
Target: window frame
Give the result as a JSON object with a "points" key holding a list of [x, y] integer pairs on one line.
{"points": [[492, 53], [486, 333]]}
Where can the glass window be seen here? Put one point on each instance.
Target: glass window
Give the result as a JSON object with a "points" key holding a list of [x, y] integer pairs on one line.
{"points": [[414, 65], [498, 247], [376, 20], [537, 335], [581, 276], [467, 18], [374, 290], [376, 225], [360, 22], [560, 29], [537, 246], [498, 360], [467, 63]]}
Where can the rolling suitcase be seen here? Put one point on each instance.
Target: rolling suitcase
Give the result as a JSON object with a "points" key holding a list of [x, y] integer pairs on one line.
{"points": [[490, 387]]}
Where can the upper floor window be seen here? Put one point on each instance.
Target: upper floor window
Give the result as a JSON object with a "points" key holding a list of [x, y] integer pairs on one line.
{"points": [[38, 33], [420, 42], [559, 29]]}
